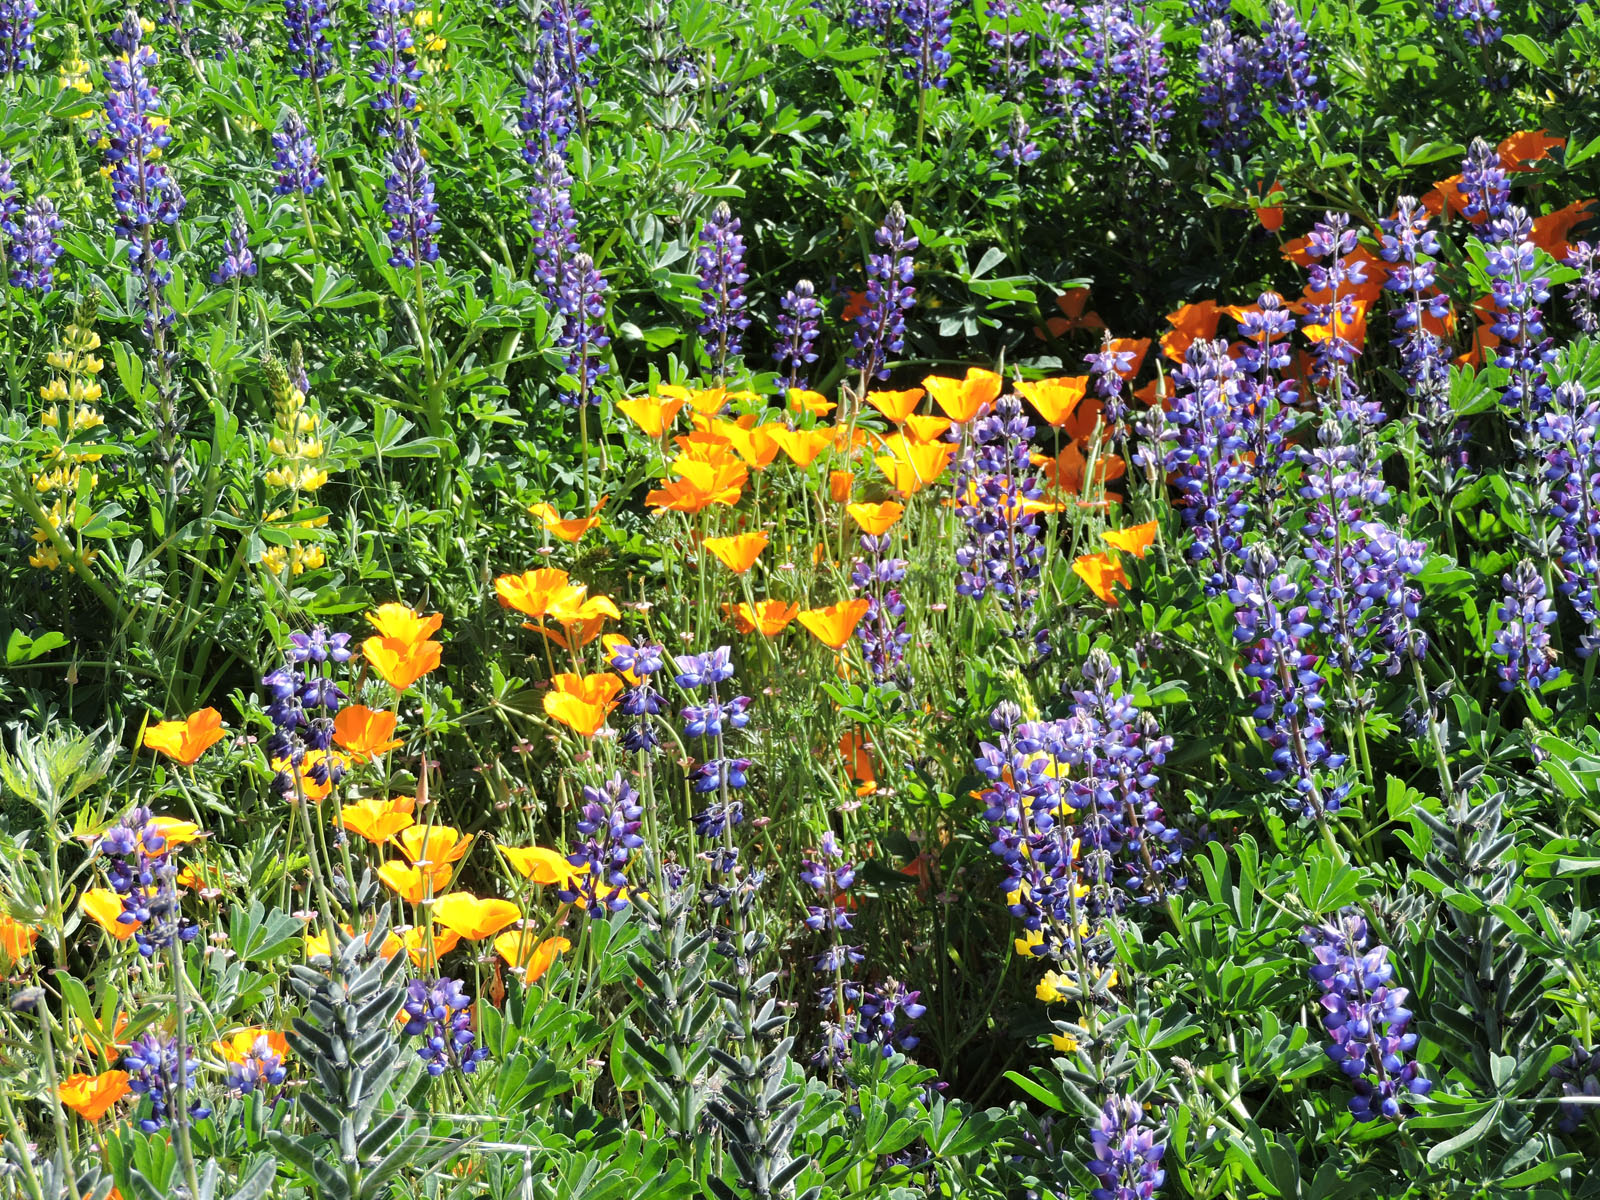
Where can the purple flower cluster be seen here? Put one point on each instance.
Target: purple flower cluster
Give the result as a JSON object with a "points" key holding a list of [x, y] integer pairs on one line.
{"points": [[1228, 74], [830, 875], [1366, 1019], [1486, 186], [1004, 551], [1523, 639], [1570, 432], [927, 45], [143, 192], [34, 249], [439, 1011], [881, 324], [581, 301], [1481, 19], [798, 327], [1267, 395], [260, 1069], [1579, 1076], [1274, 628], [1008, 48], [237, 261], [306, 22], [1330, 244], [412, 210], [545, 118], [1583, 293], [302, 698], [394, 68], [1286, 63], [296, 161], [17, 18], [882, 631], [1107, 72], [1518, 292], [711, 721], [144, 873], [640, 702], [723, 274], [1127, 1157], [1413, 247], [151, 1062], [883, 1015], [609, 822], [1205, 457], [567, 28]]}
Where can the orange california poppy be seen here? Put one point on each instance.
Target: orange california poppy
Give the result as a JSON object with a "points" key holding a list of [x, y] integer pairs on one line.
{"points": [[857, 754], [738, 553], [1071, 303], [834, 624], [316, 944], [803, 445], [536, 592], [699, 485], [708, 402], [573, 634], [91, 1096], [363, 732], [897, 406], [433, 844], [815, 403], [1134, 540], [572, 609], [186, 740], [876, 519], [755, 445], [402, 624], [652, 414], [1269, 211], [541, 865], [1525, 147], [963, 399], [1056, 399], [1190, 324], [1550, 231], [1065, 472], [1157, 391], [1374, 271], [174, 831], [415, 884], [415, 940], [472, 917], [237, 1046], [911, 466], [766, 617], [1138, 347], [1100, 572], [921, 427], [855, 303], [840, 484], [401, 663], [104, 908], [569, 529], [375, 820], [582, 703], [16, 940], [519, 949]]}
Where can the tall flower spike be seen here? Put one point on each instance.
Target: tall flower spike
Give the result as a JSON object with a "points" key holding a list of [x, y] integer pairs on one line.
{"points": [[545, 118], [296, 161], [412, 210], [798, 328], [152, 1066], [1523, 640], [609, 822], [881, 325], [237, 260], [582, 304], [306, 25], [394, 69], [1127, 1157], [567, 27], [1583, 293], [1286, 64], [1518, 292], [927, 45], [17, 19], [34, 250], [1206, 458], [1107, 72], [723, 274], [1227, 76]]}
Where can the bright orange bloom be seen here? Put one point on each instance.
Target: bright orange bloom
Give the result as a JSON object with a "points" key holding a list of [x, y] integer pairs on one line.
{"points": [[767, 617], [963, 399], [434, 844], [575, 632], [1190, 324], [897, 406], [1268, 211], [1134, 540], [402, 624], [707, 402], [91, 1096], [876, 519], [1525, 147], [316, 944], [1011, 506], [363, 732], [415, 940], [920, 427], [313, 789], [1138, 347], [237, 1046], [582, 703], [652, 414], [834, 624], [738, 553], [815, 403], [375, 820], [174, 832], [571, 528], [855, 303], [1071, 303], [699, 485], [474, 918], [401, 663], [1100, 572], [523, 954], [535, 592], [573, 609], [1550, 231], [16, 940], [857, 754], [547, 867], [104, 907], [415, 884], [1065, 472], [186, 740], [1056, 399], [840, 484], [755, 445], [803, 445], [911, 466]]}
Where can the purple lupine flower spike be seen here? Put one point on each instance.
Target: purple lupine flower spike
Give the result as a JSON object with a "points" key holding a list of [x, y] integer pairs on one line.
{"points": [[567, 28], [1286, 64], [1127, 1157], [1228, 96], [798, 327], [1107, 72], [1485, 185], [1206, 457], [237, 260], [17, 18], [151, 1062], [609, 822], [927, 45], [723, 274], [306, 24], [1519, 291], [881, 325], [830, 875], [545, 118], [143, 872], [581, 300], [641, 701], [412, 210], [394, 70], [298, 166], [882, 630], [34, 250], [719, 776], [439, 1011], [1523, 639], [1331, 244], [10, 201], [1583, 293], [260, 1069], [1481, 19], [1366, 1019]]}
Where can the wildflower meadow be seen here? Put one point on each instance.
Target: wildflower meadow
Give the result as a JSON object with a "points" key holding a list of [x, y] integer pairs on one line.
{"points": [[810, 599]]}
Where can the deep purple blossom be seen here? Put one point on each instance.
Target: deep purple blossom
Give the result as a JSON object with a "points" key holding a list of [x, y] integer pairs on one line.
{"points": [[296, 161], [798, 327], [439, 1011], [1523, 639], [1206, 457], [306, 22], [1519, 291], [141, 869], [257, 1070], [394, 67], [884, 1015], [545, 117], [1569, 432], [1228, 75], [927, 45], [1106, 72], [567, 28], [17, 19], [719, 774], [723, 274], [882, 630], [1486, 187], [151, 1062], [881, 324], [1127, 1157], [581, 301], [1481, 19], [640, 701], [34, 250], [412, 210], [1583, 293], [237, 261], [609, 822], [1286, 68]]}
